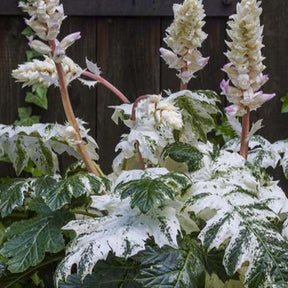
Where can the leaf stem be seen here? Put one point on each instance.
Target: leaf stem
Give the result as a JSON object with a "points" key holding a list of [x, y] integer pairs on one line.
{"points": [[244, 134], [81, 147], [108, 85]]}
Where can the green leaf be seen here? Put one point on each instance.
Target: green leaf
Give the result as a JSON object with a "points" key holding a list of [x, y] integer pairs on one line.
{"points": [[12, 195], [112, 273], [31, 54], [168, 267], [2, 268], [214, 264], [28, 31], [25, 118], [29, 240], [284, 108], [38, 96], [184, 153], [57, 193], [147, 192]]}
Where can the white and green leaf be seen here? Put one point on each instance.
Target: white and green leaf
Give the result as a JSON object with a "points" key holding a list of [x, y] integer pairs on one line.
{"points": [[124, 232], [184, 153], [12, 195], [57, 193], [40, 143]]}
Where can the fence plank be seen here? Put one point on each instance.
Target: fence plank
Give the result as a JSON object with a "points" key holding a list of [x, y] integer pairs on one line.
{"points": [[12, 52], [276, 46], [125, 8], [214, 46], [128, 55]]}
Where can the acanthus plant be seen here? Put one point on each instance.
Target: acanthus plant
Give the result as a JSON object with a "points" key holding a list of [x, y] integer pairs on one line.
{"points": [[177, 211]]}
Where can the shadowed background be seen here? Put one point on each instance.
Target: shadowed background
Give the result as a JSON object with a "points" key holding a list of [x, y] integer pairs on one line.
{"points": [[124, 37]]}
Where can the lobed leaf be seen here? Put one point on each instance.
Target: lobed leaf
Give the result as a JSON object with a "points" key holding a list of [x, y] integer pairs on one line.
{"points": [[123, 232], [197, 110], [168, 267], [239, 206], [112, 273], [29, 240], [12, 195], [184, 153], [148, 192], [57, 193], [39, 143]]}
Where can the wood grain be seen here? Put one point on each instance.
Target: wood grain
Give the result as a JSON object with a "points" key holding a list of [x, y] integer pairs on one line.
{"points": [[276, 47], [125, 7], [12, 52]]}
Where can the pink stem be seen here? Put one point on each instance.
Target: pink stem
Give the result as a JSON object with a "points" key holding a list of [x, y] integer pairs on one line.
{"points": [[108, 85], [244, 134], [69, 112], [183, 86]]}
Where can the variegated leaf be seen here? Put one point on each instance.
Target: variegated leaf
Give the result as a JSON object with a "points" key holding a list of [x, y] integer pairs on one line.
{"points": [[12, 195], [124, 232]]}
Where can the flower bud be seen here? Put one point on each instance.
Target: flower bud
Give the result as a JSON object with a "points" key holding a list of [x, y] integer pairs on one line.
{"points": [[70, 40], [40, 47], [59, 54]]}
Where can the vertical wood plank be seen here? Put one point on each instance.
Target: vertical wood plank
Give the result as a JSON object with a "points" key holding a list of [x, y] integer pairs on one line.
{"points": [[128, 55], [214, 46], [12, 52], [276, 46]]}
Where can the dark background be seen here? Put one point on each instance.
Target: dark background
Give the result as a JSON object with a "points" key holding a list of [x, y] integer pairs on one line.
{"points": [[124, 37]]}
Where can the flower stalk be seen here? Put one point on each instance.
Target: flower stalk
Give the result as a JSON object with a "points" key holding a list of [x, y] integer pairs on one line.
{"points": [[244, 134], [108, 85], [91, 166]]}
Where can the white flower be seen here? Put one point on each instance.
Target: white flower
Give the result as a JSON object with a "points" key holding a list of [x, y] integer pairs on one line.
{"points": [[37, 72], [184, 37], [246, 67], [46, 17], [169, 115]]}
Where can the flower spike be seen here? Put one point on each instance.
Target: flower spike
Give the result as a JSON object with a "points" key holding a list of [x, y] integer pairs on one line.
{"points": [[245, 67], [184, 37]]}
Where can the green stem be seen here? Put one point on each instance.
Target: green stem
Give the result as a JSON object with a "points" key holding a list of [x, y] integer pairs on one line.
{"points": [[43, 264]]}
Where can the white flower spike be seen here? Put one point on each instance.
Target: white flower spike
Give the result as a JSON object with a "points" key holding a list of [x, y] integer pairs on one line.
{"points": [[46, 17], [184, 37], [245, 69]]}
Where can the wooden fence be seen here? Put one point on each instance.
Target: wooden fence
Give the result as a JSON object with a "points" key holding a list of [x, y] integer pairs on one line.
{"points": [[124, 37]]}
